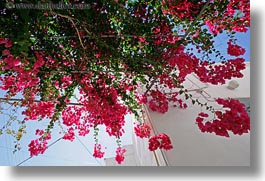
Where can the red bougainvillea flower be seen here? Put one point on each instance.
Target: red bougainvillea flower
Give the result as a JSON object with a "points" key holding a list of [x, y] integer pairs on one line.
{"points": [[218, 73], [142, 130], [161, 141], [120, 155], [142, 99], [37, 147], [39, 61], [235, 50], [142, 39], [39, 132], [183, 9], [154, 144], [97, 151], [158, 102], [3, 40], [71, 115], [6, 41], [70, 135], [11, 62], [41, 109], [40, 145], [230, 17], [234, 118]]}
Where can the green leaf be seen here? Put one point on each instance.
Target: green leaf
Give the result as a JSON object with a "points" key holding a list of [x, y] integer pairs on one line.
{"points": [[8, 131], [181, 92]]}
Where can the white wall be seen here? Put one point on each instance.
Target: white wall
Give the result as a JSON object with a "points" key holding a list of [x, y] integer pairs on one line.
{"points": [[193, 148]]}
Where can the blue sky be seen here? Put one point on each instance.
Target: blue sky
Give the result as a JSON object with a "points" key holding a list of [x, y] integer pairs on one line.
{"points": [[220, 44], [243, 39], [76, 153]]}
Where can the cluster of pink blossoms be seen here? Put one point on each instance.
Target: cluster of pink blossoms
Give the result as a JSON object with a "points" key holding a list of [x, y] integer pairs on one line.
{"points": [[166, 80], [97, 151], [142, 130], [217, 74], [235, 50], [161, 141], [70, 134], [158, 102], [120, 155], [6, 42], [103, 108], [186, 63], [217, 23], [182, 9], [39, 146], [22, 77], [71, 116], [234, 118], [42, 109], [207, 72]]}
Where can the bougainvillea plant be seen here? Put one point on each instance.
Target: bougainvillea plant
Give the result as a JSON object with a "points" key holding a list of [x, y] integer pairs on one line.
{"points": [[119, 55]]}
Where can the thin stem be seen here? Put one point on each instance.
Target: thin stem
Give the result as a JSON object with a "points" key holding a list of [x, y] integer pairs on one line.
{"points": [[72, 21], [19, 100]]}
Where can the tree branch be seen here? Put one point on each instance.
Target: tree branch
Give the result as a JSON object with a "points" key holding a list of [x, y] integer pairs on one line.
{"points": [[76, 29]]}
